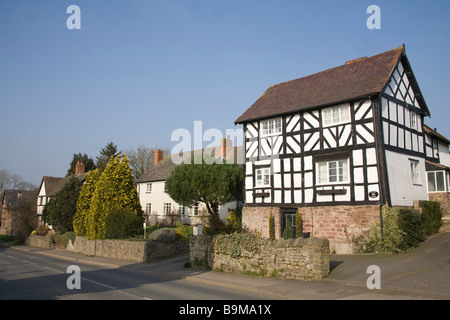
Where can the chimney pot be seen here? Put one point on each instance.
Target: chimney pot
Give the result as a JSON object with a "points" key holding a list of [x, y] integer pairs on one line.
{"points": [[79, 168]]}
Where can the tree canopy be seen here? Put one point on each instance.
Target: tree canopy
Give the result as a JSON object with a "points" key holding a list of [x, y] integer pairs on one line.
{"points": [[213, 184], [80, 220], [88, 162], [114, 190], [60, 210], [107, 153]]}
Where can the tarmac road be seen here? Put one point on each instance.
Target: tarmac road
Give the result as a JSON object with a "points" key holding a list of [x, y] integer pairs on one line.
{"points": [[421, 273]]}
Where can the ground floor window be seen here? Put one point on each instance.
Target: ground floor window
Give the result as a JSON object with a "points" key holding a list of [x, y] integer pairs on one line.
{"points": [[167, 208], [438, 181]]}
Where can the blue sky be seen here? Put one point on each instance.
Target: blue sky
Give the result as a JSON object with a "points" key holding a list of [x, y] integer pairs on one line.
{"points": [[137, 70]]}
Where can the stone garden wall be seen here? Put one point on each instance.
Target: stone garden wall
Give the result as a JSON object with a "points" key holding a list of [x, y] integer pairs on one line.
{"points": [[301, 259]]}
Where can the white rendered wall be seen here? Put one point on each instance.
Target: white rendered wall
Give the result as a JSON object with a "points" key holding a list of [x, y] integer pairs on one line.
{"points": [[403, 191]]}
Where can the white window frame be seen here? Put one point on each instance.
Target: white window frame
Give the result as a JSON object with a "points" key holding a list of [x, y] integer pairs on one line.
{"points": [[148, 208], [332, 116], [341, 178], [194, 209], [445, 176], [415, 172], [262, 177], [271, 127], [182, 209], [167, 208], [148, 188]]}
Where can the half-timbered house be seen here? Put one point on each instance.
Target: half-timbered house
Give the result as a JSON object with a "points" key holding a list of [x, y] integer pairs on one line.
{"points": [[335, 146]]}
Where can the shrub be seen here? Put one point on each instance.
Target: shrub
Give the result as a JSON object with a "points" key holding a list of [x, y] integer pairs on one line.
{"points": [[288, 232], [234, 221], [431, 217], [42, 230], [271, 227], [183, 232], [215, 225], [163, 235], [122, 223], [409, 223], [298, 225], [62, 240]]}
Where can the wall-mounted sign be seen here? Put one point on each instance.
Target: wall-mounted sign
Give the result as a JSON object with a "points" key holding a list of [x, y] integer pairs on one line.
{"points": [[373, 194]]}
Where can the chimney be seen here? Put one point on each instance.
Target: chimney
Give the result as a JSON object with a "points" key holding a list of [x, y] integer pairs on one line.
{"points": [[79, 168], [159, 154], [226, 145], [355, 60]]}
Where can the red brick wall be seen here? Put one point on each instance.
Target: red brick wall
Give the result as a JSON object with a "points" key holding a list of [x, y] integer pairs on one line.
{"points": [[339, 224]]}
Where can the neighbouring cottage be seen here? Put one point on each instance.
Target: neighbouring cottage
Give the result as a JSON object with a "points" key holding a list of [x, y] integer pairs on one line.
{"points": [[437, 164], [51, 185], [336, 146], [159, 207], [10, 210]]}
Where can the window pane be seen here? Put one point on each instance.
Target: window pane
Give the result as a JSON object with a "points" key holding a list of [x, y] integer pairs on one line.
{"points": [[440, 181], [332, 171], [278, 125], [345, 113], [431, 182], [336, 115], [326, 114], [343, 170], [323, 172]]}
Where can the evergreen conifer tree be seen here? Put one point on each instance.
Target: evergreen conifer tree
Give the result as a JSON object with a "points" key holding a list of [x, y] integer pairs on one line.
{"points": [[114, 190], [80, 220]]}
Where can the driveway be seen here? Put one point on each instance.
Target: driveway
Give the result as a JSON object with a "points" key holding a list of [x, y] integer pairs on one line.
{"points": [[423, 271]]}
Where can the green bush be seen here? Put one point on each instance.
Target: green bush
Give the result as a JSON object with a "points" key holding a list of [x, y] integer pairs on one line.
{"points": [[409, 223], [271, 227], [234, 221], [431, 217], [288, 232], [63, 239], [163, 235], [122, 223], [183, 232]]}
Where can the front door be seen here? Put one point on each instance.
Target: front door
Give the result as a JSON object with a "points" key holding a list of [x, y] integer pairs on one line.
{"points": [[288, 215]]}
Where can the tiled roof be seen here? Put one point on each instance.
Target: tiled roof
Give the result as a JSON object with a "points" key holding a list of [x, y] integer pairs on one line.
{"points": [[164, 168], [356, 79], [435, 134], [11, 197], [54, 184]]}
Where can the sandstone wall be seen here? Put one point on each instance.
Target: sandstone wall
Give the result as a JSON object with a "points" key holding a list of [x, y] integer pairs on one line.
{"points": [[339, 224], [301, 259]]}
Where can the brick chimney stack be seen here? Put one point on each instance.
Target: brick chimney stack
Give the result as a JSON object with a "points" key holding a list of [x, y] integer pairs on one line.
{"points": [[79, 168], [226, 145], [159, 155]]}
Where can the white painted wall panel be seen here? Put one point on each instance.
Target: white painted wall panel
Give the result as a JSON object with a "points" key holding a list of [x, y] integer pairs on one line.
{"points": [[401, 186]]}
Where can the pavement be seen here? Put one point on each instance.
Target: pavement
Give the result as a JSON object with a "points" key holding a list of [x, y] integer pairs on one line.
{"points": [[421, 273]]}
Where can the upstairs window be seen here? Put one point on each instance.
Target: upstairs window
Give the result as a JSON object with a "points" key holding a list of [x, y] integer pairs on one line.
{"points": [[335, 115], [335, 171], [149, 188], [271, 127], [263, 177]]}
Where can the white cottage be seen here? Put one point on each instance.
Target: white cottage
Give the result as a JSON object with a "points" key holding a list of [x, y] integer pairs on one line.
{"points": [[336, 146], [159, 207]]}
